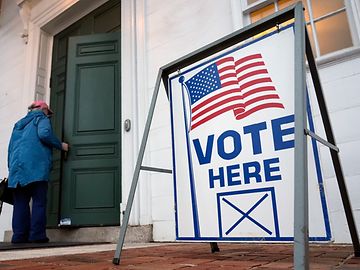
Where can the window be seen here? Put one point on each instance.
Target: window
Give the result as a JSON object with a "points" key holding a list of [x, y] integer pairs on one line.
{"points": [[327, 21]]}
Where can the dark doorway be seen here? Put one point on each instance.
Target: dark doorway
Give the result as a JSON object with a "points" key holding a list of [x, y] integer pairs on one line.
{"points": [[85, 186]]}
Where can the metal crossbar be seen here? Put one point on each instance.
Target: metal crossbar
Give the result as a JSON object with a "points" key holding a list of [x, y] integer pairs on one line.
{"points": [[154, 169], [321, 140]]}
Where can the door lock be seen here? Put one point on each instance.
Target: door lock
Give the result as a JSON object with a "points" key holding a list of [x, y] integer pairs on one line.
{"points": [[127, 125]]}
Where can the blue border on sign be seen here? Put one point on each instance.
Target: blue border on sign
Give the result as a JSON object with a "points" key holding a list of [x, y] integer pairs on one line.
{"points": [[191, 174], [318, 168], [315, 152], [174, 163]]}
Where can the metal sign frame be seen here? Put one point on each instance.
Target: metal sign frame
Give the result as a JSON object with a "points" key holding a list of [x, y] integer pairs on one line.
{"points": [[302, 50]]}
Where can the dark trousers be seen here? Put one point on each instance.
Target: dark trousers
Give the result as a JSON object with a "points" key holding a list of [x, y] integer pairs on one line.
{"points": [[29, 225]]}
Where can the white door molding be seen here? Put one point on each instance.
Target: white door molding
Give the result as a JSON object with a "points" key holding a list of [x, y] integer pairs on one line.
{"points": [[135, 103], [44, 20]]}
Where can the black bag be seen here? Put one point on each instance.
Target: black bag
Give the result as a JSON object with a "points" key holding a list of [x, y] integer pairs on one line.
{"points": [[5, 192]]}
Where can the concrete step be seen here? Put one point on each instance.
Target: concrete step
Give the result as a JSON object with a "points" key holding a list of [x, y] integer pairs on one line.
{"points": [[134, 234]]}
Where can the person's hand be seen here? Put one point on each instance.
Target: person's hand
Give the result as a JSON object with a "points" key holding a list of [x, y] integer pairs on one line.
{"points": [[65, 146]]}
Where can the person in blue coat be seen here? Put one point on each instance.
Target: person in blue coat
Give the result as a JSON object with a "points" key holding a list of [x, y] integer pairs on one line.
{"points": [[29, 164]]}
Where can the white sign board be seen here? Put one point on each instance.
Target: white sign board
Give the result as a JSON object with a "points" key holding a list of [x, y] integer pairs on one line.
{"points": [[233, 147]]}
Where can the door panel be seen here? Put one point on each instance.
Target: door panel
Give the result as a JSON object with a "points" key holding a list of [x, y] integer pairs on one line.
{"points": [[91, 172]]}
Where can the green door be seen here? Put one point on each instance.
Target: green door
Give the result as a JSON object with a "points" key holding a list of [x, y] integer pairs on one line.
{"points": [[90, 182]]}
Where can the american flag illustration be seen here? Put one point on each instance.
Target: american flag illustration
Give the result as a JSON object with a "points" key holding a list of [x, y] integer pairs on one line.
{"points": [[242, 86]]}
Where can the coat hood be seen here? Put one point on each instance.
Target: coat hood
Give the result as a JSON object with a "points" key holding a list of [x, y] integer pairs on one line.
{"points": [[22, 123]]}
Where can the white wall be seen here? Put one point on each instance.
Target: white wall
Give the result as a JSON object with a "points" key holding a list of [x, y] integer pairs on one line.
{"points": [[12, 59], [174, 29]]}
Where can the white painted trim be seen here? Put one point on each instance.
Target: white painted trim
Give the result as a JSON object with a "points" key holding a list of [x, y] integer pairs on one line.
{"points": [[236, 14], [24, 12], [337, 57], [32, 54], [143, 101], [128, 98], [135, 102], [46, 11], [43, 68], [353, 13], [19, 2], [257, 5], [77, 11]]}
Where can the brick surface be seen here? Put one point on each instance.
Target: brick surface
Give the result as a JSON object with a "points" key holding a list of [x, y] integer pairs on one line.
{"points": [[196, 256]]}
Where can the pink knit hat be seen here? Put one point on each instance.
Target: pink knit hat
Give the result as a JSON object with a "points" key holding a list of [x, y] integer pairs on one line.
{"points": [[41, 105]]}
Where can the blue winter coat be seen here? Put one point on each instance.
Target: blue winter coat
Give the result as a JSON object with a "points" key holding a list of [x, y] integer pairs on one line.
{"points": [[30, 149]]}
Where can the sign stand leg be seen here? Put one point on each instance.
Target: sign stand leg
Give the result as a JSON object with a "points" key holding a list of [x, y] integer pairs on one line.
{"points": [[301, 207], [125, 222], [214, 247]]}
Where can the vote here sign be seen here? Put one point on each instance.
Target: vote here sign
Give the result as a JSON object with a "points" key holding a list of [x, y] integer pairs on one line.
{"points": [[233, 146]]}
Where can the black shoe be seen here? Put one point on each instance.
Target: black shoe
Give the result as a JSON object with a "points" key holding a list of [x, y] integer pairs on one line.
{"points": [[44, 240], [19, 241]]}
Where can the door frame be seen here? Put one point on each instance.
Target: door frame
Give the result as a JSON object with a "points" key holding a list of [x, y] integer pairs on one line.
{"points": [[49, 17]]}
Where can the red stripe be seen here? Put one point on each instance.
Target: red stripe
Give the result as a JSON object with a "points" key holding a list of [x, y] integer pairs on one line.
{"points": [[252, 73], [218, 104], [257, 108], [253, 82], [224, 60], [251, 101], [258, 90], [226, 68], [235, 83], [251, 65], [211, 116], [247, 58], [229, 75], [207, 101]]}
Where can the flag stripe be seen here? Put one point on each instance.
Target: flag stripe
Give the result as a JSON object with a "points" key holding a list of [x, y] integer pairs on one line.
{"points": [[248, 66], [252, 73], [247, 58], [253, 82], [228, 76], [264, 97], [227, 68], [234, 103], [224, 60], [258, 90], [233, 82], [215, 105], [209, 100], [257, 108], [211, 116]]}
